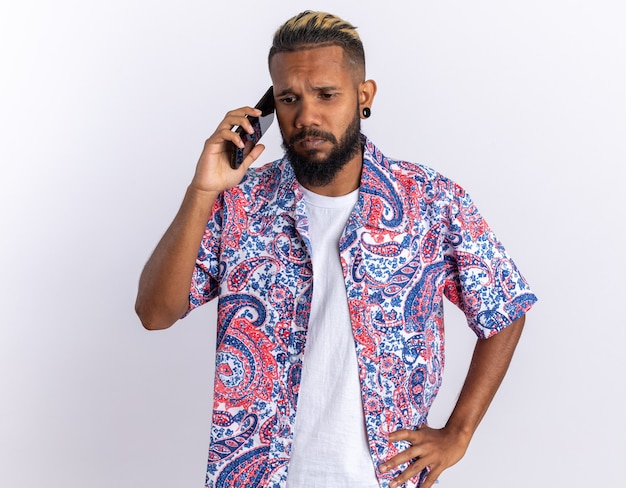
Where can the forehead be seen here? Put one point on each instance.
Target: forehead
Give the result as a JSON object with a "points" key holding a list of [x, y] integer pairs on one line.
{"points": [[314, 65]]}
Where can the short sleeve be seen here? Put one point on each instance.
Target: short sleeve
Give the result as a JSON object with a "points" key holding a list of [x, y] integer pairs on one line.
{"points": [[204, 281], [483, 280]]}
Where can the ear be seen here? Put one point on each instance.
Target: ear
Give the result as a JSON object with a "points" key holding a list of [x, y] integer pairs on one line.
{"points": [[366, 93]]}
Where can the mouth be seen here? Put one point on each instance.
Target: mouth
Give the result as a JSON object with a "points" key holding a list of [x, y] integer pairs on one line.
{"points": [[311, 143], [312, 139]]}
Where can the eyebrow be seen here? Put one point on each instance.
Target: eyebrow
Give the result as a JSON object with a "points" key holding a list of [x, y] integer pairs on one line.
{"points": [[287, 91]]}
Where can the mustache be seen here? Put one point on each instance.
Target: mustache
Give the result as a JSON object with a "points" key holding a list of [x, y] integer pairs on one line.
{"points": [[312, 133]]}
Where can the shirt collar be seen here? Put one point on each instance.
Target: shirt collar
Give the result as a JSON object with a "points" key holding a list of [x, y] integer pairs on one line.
{"points": [[378, 206]]}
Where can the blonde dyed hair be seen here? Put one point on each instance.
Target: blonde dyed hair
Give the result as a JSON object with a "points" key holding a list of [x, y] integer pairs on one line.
{"points": [[311, 29]]}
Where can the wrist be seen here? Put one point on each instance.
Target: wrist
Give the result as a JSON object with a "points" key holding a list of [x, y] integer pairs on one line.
{"points": [[199, 202], [203, 194], [462, 433]]}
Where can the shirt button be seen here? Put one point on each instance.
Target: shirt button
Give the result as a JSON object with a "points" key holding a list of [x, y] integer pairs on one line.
{"points": [[302, 300]]}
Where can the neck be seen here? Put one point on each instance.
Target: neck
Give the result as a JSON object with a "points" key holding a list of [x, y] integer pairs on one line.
{"points": [[346, 181]]}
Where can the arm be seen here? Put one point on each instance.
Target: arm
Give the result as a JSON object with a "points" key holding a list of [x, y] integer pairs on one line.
{"points": [[163, 295], [441, 448]]}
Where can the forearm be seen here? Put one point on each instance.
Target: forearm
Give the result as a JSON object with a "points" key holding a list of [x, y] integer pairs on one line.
{"points": [[489, 364], [438, 449], [163, 295]]}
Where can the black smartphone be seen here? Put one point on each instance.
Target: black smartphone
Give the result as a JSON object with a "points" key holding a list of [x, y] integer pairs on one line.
{"points": [[260, 125]]}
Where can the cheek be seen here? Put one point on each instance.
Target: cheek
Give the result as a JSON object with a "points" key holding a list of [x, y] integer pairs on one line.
{"points": [[284, 122], [342, 119]]}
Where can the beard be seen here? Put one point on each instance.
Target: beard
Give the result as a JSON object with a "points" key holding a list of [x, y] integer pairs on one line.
{"points": [[312, 171]]}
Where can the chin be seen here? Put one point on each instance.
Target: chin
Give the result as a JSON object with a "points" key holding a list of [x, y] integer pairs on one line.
{"points": [[314, 155]]}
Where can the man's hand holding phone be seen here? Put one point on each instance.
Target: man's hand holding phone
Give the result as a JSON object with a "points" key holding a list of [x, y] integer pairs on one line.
{"points": [[259, 125], [164, 285], [233, 147]]}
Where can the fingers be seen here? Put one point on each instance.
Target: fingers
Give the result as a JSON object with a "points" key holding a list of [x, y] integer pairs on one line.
{"points": [[412, 471], [426, 452], [404, 435], [432, 478], [214, 171], [224, 135], [405, 456], [237, 118], [253, 155], [410, 456], [433, 450], [418, 467], [417, 471]]}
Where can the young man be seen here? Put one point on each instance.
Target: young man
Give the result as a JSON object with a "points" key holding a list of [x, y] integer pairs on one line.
{"points": [[330, 266]]}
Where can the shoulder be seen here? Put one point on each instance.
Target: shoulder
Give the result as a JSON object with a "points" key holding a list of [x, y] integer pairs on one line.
{"points": [[407, 178], [263, 185], [267, 175]]}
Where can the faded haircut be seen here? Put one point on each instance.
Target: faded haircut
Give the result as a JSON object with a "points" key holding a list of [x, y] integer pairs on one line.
{"points": [[310, 29]]}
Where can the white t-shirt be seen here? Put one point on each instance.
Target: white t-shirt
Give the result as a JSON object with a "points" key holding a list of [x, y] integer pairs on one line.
{"points": [[330, 447]]}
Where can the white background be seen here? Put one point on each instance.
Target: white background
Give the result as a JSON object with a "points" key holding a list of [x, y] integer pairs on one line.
{"points": [[104, 107]]}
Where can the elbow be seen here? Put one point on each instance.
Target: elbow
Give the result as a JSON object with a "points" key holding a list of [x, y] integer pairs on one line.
{"points": [[154, 319], [151, 324]]}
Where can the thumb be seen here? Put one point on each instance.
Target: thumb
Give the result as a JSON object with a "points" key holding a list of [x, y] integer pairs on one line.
{"points": [[253, 155]]}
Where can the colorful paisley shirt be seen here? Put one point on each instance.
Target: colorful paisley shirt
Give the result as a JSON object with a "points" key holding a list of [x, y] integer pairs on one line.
{"points": [[413, 237]]}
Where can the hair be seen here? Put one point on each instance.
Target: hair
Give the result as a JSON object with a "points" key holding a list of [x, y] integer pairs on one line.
{"points": [[309, 30]]}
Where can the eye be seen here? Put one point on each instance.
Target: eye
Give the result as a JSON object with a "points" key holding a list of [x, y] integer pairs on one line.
{"points": [[328, 96], [287, 100]]}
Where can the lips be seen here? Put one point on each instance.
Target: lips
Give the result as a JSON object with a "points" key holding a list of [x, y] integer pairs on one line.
{"points": [[312, 137], [311, 143]]}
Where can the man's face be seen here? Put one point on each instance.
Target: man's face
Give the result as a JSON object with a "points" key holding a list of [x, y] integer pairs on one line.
{"points": [[318, 112]]}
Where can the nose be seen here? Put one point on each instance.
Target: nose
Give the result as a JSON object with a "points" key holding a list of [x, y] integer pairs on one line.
{"points": [[307, 114]]}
